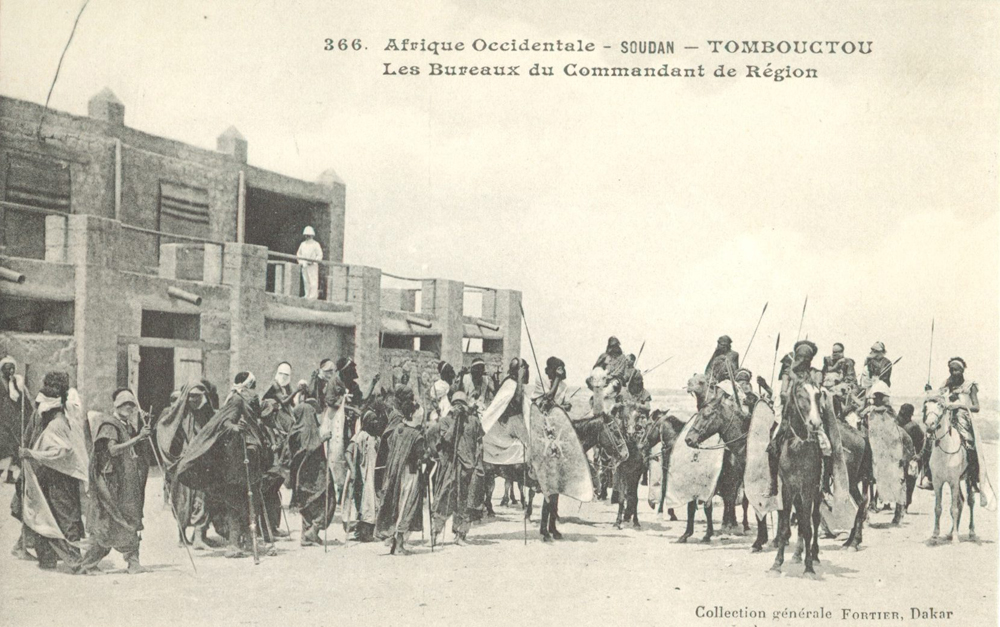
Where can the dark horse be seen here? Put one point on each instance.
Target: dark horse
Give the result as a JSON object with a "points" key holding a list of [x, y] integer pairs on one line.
{"points": [[629, 471], [601, 431], [719, 415], [800, 470], [664, 430]]}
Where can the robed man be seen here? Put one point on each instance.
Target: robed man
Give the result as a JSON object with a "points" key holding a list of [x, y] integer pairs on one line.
{"points": [[118, 471], [400, 513], [15, 409], [176, 429], [460, 458], [55, 468], [225, 461], [314, 493]]}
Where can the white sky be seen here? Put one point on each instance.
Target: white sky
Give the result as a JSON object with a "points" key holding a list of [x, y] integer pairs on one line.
{"points": [[653, 209]]}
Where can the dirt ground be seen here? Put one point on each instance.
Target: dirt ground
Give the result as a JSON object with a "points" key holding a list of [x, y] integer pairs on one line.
{"points": [[595, 575]]}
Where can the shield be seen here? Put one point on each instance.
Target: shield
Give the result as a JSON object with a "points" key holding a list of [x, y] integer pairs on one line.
{"points": [[557, 457], [693, 472], [757, 476], [888, 456], [655, 493], [839, 509], [333, 421]]}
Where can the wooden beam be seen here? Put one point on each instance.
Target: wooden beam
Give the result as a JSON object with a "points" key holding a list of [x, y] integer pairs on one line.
{"points": [[165, 342]]}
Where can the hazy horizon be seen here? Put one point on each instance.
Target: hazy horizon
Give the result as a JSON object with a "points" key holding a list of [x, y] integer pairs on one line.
{"points": [[659, 211]]}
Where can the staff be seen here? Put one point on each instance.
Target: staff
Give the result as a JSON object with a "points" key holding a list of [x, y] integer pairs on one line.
{"points": [[754, 335], [173, 510]]}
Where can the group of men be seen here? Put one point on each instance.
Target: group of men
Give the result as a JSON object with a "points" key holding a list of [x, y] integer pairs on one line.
{"points": [[225, 463], [867, 395]]}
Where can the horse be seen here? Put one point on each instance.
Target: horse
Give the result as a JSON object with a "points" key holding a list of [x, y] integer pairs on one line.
{"points": [[857, 457], [948, 465], [629, 472], [664, 430], [800, 471], [719, 415], [600, 431]]}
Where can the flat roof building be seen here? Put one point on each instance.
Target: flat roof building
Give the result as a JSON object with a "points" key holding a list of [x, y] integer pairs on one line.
{"points": [[134, 260]]}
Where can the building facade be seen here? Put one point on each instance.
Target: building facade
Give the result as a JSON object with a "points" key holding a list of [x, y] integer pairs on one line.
{"points": [[134, 260]]}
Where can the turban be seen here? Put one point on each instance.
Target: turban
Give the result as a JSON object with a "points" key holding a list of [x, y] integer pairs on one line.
{"points": [[283, 376], [460, 397], [879, 387], [878, 347], [478, 362], [343, 363], [613, 341], [124, 398], [13, 391], [957, 361], [804, 349], [725, 340], [439, 389], [403, 394], [743, 375], [245, 381]]}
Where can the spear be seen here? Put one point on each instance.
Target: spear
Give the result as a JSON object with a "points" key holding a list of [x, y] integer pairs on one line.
{"points": [[632, 374], [754, 335], [775, 362], [802, 319], [541, 379], [930, 358], [171, 500], [645, 372]]}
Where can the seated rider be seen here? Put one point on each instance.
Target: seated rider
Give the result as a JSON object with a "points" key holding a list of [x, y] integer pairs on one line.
{"points": [[962, 400], [796, 368]]}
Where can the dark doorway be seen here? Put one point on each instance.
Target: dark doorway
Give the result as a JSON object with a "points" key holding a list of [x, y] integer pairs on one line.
{"points": [[156, 378], [276, 221]]}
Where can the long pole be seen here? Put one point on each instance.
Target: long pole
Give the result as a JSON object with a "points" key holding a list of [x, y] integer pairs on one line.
{"points": [[645, 372], [930, 357], [802, 319], [775, 362], [326, 497], [632, 374], [747, 351], [173, 510], [252, 511], [430, 503], [541, 379]]}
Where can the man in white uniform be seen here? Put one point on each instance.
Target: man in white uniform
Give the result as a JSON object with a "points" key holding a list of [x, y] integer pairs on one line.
{"points": [[309, 253]]}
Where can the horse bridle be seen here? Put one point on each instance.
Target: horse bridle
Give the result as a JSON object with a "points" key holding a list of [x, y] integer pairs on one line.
{"points": [[937, 440], [724, 444]]}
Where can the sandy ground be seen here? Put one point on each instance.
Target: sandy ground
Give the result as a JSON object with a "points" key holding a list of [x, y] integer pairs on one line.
{"points": [[596, 575]]}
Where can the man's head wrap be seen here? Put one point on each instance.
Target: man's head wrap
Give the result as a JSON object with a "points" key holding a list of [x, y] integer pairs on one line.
{"points": [[958, 362], [245, 381], [613, 341], [838, 347], [725, 340], [124, 397], [403, 396], [743, 375], [555, 366], [805, 350], [13, 390], [343, 363], [439, 389], [55, 385], [878, 348], [283, 375], [447, 372], [478, 362], [879, 387], [459, 397]]}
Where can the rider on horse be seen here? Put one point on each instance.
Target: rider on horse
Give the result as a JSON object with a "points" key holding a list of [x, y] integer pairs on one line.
{"points": [[797, 369], [962, 397]]}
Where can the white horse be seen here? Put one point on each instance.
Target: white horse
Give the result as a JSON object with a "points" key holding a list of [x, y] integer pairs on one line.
{"points": [[948, 465]]}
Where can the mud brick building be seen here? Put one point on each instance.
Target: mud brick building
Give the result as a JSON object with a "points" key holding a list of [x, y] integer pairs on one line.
{"points": [[130, 259]]}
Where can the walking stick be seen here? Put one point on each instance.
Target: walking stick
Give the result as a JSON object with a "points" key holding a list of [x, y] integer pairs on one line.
{"points": [[454, 462], [252, 511], [173, 510], [326, 497], [430, 503], [747, 351]]}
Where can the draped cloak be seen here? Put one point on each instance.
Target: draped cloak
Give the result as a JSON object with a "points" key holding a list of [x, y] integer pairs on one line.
{"points": [[118, 485], [402, 499]]}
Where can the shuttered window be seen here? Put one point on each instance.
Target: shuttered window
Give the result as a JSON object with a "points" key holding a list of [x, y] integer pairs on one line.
{"points": [[183, 209], [34, 182]]}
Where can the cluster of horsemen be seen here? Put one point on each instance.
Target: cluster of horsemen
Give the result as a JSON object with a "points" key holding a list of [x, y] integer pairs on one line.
{"points": [[380, 458]]}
